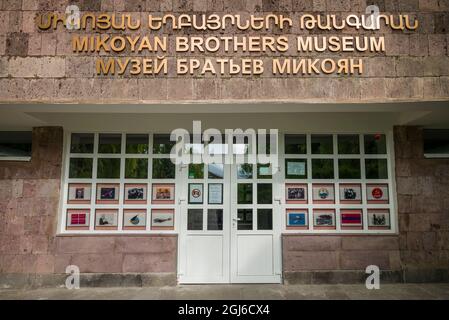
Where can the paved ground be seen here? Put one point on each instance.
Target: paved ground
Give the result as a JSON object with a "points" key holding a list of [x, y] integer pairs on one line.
{"points": [[251, 292]]}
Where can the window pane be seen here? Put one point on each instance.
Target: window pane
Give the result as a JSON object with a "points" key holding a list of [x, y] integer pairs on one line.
{"points": [[215, 171], [15, 143], [348, 144], [376, 169], [295, 144], [266, 146], [196, 171], [195, 219], [264, 219], [110, 143], [245, 193], [322, 144], [264, 193], [82, 143], [137, 143], [108, 168], [162, 144], [322, 168], [245, 171], [295, 168], [163, 169], [80, 168], [136, 169], [264, 171], [245, 221], [215, 219], [375, 144], [349, 169], [436, 141]]}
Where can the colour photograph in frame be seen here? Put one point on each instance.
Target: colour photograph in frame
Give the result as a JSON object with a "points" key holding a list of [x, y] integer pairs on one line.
{"points": [[323, 193], [136, 193], [297, 219], [78, 219], [377, 193], [134, 219], [108, 193], [379, 219], [351, 219], [196, 191], [350, 193], [296, 194], [162, 219], [163, 193], [324, 219], [106, 219], [79, 193]]}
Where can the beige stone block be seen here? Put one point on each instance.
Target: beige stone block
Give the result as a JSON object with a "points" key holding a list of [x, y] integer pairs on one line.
{"points": [[34, 44], [409, 67], [15, 21], [166, 5], [2, 45], [338, 5], [13, 89], [3, 67], [397, 44], [419, 45], [346, 89], [370, 243], [80, 67], [437, 45], [436, 66], [41, 89], [12, 4], [98, 263], [311, 243], [45, 264], [149, 263], [372, 89], [234, 88], [361, 260], [84, 245], [319, 5], [215, 5], [88, 89], [64, 44], [52, 67], [428, 5], [154, 5], [205, 89], [28, 22], [119, 89], [48, 46], [253, 5], [4, 21], [148, 245], [152, 89], [379, 67], [24, 67], [119, 5], [31, 5], [180, 89], [107, 5], [311, 260]]}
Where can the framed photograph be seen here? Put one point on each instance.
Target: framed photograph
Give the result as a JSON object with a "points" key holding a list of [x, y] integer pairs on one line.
{"points": [[196, 193], [351, 219], [296, 193], [106, 219], [323, 193], [134, 219], [297, 219], [324, 219], [377, 193], [163, 194], [108, 193], [215, 192], [350, 193], [162, 219], [296, 169], [136, 193], [379, 219], [78, 219], [79, 193]]}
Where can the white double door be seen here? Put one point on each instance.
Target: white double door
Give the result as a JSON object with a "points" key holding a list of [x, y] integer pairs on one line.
{"points": [[232, 237]]}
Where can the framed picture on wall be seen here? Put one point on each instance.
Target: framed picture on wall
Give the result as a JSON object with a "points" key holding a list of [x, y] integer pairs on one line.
{"points": [[296, 193], [350, 193], [377, 193], [108, 193], [323, 193], [106, 219], [297, 219], [324, 219], [163, 194], [79, 193], [351, 219], [162, 219], [78, 219], [379, 219], [136, 193], [134, 219], [215, 193], [196, 193]]}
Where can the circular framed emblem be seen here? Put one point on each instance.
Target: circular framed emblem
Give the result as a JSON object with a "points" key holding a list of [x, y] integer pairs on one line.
{"points": [[377, 193], [196, 193], [323, 193]]}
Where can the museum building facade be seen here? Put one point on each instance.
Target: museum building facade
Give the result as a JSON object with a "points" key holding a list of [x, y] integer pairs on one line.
{"points": [[349, 101]]}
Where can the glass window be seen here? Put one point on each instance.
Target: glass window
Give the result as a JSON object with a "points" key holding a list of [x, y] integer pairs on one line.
{"points": [[110, 143], [80, 168], [323, 169], [215, 171], [264, 171], [245, 219], [136, 168], [264, 219], [163, 169], [349, 169], [162, 144], [376, 168], [322, 144], [295, 168], [15, 144], [264, 193], [266, 146], [137, 143], [245, 171], [245, 193], [436, 142], [348, 144], [196, 171], [375, 144], [82, 143], [215, 219], [295, 144], [195, 219], [108, 168]]}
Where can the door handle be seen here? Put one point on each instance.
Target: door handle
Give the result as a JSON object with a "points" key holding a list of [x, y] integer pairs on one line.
{"points": [[278, 199], [181, 200], [236, 219]]}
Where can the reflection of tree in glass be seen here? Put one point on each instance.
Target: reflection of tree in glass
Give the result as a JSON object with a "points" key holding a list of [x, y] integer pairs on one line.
{"points": [[163, 169], [136, 168]]}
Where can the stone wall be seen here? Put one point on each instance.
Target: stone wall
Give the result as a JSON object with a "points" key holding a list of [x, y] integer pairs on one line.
{"points": [[39, 66]]}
